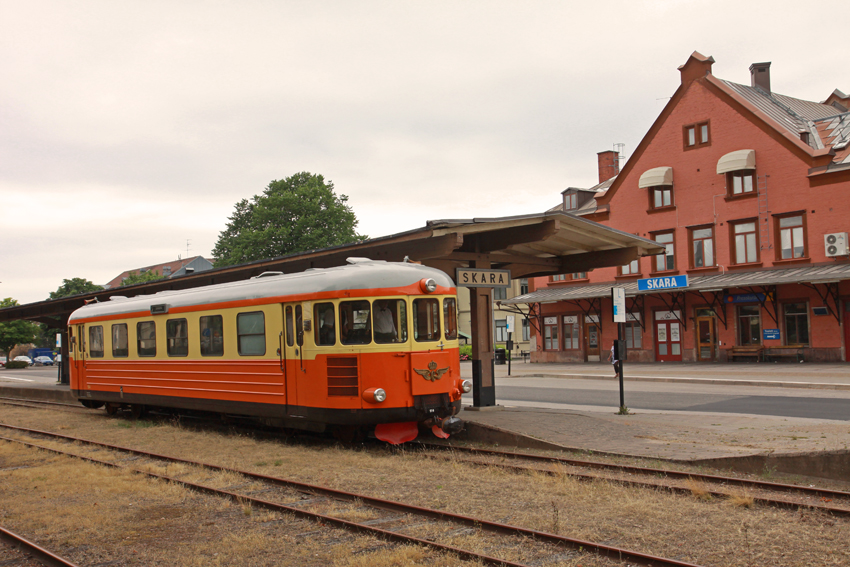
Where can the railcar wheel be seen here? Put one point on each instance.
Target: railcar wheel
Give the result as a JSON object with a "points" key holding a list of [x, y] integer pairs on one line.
{"points": [[91, 404], [111, 409], [348, 434], [137, 411]]}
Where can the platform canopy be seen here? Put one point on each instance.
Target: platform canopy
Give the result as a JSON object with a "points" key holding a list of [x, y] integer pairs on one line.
{"points": [[528, 245]]}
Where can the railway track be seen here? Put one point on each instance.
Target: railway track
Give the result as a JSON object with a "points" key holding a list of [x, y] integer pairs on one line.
{"points": [[28, 403], [794, 496], [28, 548], [402, 522]]}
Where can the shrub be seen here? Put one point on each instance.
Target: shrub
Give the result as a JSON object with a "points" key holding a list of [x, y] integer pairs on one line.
{"points": [[465, 352], [16, 364]]}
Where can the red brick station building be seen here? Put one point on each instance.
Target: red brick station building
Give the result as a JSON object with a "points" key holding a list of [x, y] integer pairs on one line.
{"points": [[749, 191]]}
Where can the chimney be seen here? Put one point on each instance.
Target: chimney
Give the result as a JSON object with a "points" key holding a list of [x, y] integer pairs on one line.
{"points": [[760, 76], [609, 164]]}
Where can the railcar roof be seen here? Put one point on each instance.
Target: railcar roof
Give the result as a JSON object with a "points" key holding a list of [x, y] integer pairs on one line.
{"points": [[359, 274]]}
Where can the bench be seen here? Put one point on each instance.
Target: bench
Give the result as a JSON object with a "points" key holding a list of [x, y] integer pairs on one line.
{"points": [[753, 350], [524, 354], [774, 352]]}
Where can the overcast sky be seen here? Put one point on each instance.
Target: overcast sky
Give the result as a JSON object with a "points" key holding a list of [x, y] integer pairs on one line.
{"points": [[129, 128]]}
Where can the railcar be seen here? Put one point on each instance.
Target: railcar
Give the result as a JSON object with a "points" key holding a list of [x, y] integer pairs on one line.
{"points": [[371, 345]]}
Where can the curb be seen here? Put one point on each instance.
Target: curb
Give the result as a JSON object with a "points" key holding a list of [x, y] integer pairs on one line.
{"points": [[721, 381]]}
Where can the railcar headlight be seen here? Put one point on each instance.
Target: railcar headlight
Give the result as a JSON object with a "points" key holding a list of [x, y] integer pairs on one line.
{"points": [[375, 395], [466, 386], [428, 285]]}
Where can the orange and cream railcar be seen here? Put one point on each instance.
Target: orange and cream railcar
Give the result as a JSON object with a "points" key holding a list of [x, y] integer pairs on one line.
{"points": [[368, 344]]}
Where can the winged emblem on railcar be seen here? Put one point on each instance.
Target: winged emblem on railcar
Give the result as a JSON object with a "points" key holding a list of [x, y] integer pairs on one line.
{"points": [[432, 373]]}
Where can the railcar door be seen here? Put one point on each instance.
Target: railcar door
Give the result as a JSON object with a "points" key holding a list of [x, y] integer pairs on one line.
{"points": [[78, 344], [292, 342]]}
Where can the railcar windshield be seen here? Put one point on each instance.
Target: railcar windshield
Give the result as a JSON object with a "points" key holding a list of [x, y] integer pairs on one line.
{"points": [[426, 319], [390, 320], [450, 317], [355, 323]]}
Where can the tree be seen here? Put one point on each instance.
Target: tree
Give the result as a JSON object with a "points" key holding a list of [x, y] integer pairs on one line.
{"points": [[137, 278], [298, 214], [16, 332], [74, 286]]}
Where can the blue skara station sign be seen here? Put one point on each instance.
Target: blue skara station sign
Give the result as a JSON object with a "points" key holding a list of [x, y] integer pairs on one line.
{"points": [[669, 282]]}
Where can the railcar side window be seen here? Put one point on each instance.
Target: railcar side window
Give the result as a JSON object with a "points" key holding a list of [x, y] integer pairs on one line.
{"points": [[120, 341], [355, 323], [177, 337], [251, 331], [426, 319], [299, 326], [450, 317], [212, 335], [290, 327], [146, 338], [389, 318], [324, 330], [96, 342]]}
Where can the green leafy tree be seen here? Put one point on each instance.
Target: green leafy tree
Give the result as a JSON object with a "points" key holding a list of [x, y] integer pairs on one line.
{"points": [[74, 286], [16, 332], [298, 214], [137, 278]]}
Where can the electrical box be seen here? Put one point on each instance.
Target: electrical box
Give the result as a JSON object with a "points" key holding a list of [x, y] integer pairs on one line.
{"points": [[835, 244]]}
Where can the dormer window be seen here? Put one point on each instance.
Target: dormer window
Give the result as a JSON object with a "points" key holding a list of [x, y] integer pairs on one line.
{"points": [[570, 201]]}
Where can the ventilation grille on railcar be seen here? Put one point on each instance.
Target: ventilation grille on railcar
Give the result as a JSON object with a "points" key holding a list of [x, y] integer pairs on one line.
{"points": [[342, 376]]}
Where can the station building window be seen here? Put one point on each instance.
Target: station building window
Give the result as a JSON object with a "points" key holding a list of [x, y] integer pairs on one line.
{"points": [[791, 235], [177, 337], [702, 247], [745, 245], [146, 338], [96, 342], [526, 330], [796, 323], [666, 261], [120, 341], [251, 333], [212, 335], [501, 330], [550, 333], [749, 325], [630, 269], [572, 332], [633, 333], [696, 135]]}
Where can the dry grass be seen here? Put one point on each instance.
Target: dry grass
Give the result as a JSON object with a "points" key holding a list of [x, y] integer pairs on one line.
{"points": [[708, 532]]}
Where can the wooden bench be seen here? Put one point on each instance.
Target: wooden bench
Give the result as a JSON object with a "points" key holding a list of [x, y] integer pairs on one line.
{"points": [[752, 350], [524, 354], [771, 353]]}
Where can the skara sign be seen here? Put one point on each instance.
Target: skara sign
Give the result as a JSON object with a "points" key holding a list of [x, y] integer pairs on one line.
{"points": [[471, 277], [670, 282]]}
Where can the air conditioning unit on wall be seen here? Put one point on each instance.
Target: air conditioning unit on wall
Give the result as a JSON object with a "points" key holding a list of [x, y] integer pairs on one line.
{"points": [[835, 244]]}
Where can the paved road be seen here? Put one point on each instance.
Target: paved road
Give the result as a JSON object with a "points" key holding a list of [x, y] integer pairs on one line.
{"points": [[706, 399]]}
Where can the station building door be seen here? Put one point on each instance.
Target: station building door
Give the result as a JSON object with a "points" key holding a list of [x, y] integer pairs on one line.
{"points": [[593, 336], [706, 335], [668, 336]]}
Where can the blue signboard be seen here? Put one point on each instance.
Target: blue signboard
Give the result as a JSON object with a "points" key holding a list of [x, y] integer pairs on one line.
{"points": [[669, 282], [748, 298], [770, 334]]}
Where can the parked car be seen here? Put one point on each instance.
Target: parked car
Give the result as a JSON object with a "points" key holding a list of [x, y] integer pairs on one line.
{"points": [[26, 359], [43, 360], [2, 361]]}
